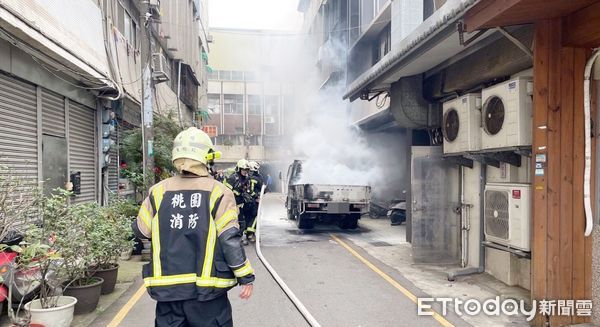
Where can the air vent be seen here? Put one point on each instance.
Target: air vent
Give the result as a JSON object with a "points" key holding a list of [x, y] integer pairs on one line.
{"points": [[451, 125], [496, 214], [493, 115]]}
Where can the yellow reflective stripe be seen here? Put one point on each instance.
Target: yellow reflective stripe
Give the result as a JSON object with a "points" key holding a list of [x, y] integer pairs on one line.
{"points": [[216, 282], [254, 224], [170, 280], [144, 213], [214, 196], [158, 194], [244, 270], [189, 279], [210, 250], [225, 219]]}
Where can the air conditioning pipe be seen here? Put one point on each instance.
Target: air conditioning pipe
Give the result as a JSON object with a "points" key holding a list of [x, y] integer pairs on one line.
{"points": [[587, 101], [481, 268]]}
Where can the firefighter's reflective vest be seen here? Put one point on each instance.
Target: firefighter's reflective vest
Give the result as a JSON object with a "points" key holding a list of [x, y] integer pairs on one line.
{"points": [[186, 219]]}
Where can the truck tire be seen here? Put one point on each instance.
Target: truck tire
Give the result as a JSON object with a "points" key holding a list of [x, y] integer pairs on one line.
{"points": [[349, 222], [305, 223], [290, 215]]}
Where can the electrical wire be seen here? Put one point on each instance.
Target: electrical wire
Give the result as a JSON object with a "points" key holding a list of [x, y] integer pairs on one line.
{"points": [[26, 49], [382, 104]]}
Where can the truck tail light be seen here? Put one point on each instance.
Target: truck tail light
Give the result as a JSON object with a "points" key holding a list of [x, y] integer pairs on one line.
{"points": [[358, 206], [312, 205]]}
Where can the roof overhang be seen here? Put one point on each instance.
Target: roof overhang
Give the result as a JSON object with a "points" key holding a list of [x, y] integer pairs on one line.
{"points": [[494, 13], [34, 42], [431, 43]]}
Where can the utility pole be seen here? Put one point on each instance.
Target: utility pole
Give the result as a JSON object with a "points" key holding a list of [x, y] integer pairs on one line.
{"points": [[147, 96]]}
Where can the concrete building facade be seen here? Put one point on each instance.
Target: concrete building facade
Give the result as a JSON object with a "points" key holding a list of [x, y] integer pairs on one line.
{"points": [[73, 63], [247, 100], [408, 58]]}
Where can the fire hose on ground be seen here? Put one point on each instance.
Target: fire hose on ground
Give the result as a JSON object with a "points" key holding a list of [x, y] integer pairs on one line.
{"points": [[301, 308]]}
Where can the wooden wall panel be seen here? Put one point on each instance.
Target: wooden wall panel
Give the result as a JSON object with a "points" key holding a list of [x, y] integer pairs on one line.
{"points": [[540, 118], [561, 255], [579, 280]]}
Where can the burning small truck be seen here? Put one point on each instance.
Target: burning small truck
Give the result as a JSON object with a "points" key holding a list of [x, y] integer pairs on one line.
{"points": [[309, 203]]}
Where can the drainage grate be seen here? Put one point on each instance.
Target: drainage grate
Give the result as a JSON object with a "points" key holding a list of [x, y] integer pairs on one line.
{"points": [[380, 243]]}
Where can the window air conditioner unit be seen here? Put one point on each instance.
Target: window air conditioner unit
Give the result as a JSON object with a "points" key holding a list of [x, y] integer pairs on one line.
{"points": [[161, 71], [506, 114], [270, 120], [507, 215], [462, 124]]}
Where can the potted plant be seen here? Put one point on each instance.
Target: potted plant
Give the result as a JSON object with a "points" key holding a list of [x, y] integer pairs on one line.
{"points": [[17, 201], [35, 270], [110, 237], [74, 234]]}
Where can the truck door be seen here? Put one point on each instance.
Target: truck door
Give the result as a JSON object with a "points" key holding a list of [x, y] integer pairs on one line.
{"points": [[434, 224]]}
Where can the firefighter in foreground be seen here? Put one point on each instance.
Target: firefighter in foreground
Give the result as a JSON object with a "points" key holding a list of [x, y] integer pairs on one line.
{"points": [[239, 183], [196, 252], [251, 208]]}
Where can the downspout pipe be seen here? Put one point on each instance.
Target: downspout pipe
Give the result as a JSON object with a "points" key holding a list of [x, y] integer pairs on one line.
{"points": [[481, 268], [587, 101], [179, 94]]}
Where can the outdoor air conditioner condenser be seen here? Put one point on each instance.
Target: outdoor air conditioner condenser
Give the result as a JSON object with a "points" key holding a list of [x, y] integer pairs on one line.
{"points": [[507, 215], [462, 124]]}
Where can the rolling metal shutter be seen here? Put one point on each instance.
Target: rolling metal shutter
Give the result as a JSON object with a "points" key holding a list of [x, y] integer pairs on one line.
{"points": [[82, 149], [53, 114], [18, 129]]}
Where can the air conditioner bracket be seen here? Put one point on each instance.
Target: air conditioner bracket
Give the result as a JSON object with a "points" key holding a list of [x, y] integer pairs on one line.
{"points": [[517, 252]]}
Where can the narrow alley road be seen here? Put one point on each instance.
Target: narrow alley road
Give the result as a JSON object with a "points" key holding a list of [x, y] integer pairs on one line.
{"points": [[337, 281]]}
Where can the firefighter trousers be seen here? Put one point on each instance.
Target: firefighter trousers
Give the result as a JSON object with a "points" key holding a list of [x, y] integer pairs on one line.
{"points": [[193, 313], [250, 210]]}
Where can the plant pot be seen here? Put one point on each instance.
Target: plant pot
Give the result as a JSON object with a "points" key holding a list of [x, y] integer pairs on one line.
{"points": [[126, 255], [59, 316], [110, 278], [87, 295]]}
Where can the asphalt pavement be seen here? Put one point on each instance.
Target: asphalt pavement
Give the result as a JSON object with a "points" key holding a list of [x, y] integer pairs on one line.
{"points": [[340, 284]]}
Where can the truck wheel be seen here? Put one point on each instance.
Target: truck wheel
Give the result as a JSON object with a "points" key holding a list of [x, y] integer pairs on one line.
{"points": [[305, 223], [290, 215], [349, 222]]}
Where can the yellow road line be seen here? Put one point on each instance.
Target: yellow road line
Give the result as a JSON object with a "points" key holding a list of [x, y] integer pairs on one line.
{"points": [[390, 280], [127, 307]]}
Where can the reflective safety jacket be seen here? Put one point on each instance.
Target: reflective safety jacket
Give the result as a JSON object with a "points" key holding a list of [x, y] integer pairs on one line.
{"points": [[196, 250], [240, 186], [256, 184]]}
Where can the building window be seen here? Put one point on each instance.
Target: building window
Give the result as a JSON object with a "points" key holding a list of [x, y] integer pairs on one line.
{"points": [[254, 105], [225, 75], [214, 75], [233, 104], [271, 107], [383, 44], [214, 103], [354, 20], [237, 76], [250, 76]]}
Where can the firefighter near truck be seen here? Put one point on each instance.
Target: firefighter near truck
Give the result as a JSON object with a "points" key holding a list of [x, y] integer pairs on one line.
{"points": [[308, 204]]}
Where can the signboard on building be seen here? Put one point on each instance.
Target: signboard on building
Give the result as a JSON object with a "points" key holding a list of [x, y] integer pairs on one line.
{"points": [[210, 130]]}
